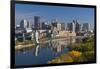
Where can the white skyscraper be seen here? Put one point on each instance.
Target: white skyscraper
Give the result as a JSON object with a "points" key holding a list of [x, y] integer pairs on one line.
{"points": [[73, 27], [59, 26]]}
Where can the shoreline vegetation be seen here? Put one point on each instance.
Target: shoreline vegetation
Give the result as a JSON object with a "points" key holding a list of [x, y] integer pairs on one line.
{"points": [[79, 52]]}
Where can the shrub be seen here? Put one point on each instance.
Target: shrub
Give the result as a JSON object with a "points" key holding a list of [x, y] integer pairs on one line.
{"points": [[89, 55], [65, 58], [75, 53]]}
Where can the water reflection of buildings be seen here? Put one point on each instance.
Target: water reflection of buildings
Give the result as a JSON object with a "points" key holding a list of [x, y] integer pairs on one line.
{"points": [[56, 46], [37, 50], [59, 45]]}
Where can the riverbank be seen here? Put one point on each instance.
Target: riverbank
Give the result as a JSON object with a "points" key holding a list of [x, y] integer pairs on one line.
{"points": [[29, 43], [79, 52]]}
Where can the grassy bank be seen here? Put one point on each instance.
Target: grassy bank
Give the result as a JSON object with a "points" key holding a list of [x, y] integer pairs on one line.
{"points": [[79, 52]]}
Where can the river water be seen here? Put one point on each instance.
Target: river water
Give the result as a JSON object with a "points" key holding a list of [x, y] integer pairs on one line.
{"points": [[42, 53]]}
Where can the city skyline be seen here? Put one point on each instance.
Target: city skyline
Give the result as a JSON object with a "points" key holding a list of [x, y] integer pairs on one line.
{"points": [[46, 34], [62, 14]]}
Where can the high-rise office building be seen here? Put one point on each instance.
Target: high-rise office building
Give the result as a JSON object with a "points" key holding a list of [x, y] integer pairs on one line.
{"points": [[81, 27], [23, 24], [54, 23], [73, 27], [66, 27], [69, 27], [59, 26], [85, 27], [29, 25], [37, 22], [62, 26], [77, 26], [45, 25]]}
